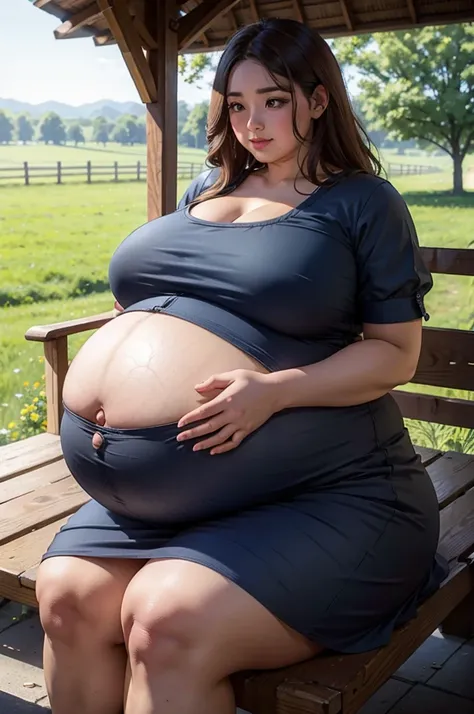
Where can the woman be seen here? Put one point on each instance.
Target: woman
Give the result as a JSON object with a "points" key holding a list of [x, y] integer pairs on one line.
{"points": [[255, 496]]}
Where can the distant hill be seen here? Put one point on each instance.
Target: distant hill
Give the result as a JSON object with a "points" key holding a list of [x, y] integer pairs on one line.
{"points": [[105, 107]]}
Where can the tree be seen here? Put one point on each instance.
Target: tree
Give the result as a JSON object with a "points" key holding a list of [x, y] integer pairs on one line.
{"points": [[6, 129], [75, 134], [192, 67], [101, 129], [24, 128], [51, 129], [127, 130], [419, 85], [196, 124]]}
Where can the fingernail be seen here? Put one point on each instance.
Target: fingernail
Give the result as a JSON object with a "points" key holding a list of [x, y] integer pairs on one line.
{"points": [[196, 448], [180, 437]]}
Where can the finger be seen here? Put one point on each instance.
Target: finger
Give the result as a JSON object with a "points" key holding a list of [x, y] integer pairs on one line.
{"points": [[222, 436], [204, 412], [236, 439], [118, 306], [207, 428], [218, 381]]}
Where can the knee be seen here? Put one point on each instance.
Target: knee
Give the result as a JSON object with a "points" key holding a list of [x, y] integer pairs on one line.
{"points": [[68, 605], [160, 631]]}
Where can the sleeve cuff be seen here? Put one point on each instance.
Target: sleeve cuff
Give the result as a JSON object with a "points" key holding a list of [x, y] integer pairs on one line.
{"points": [[395, 310]]}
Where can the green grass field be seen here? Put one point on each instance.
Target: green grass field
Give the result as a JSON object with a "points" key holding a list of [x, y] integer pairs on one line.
{"points": [[56, 242]]}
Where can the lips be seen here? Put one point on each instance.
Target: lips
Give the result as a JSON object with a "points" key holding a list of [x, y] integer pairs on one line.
{"points": [[260, 143]]}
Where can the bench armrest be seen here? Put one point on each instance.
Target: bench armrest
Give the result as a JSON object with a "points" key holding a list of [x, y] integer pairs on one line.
{"points": [[46, 333], [54, 339]]}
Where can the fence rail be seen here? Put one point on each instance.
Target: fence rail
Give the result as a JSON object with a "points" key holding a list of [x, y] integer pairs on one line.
{"points": [[27, 173]]}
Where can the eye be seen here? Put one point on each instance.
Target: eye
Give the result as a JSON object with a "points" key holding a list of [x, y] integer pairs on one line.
{"points": [[280, 103], [232, 106]]}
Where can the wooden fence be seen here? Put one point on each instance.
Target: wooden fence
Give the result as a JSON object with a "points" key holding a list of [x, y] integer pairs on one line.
{"points": [[58, 172]]}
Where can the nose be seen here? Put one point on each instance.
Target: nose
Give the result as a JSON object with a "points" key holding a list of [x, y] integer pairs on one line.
{"points": [[255, 122]]}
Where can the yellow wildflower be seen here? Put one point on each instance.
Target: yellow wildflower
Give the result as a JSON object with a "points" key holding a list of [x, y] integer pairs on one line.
{"points": [[44, 423], [34, 417], [41, 360], [26, 384], [42, 394], [23, 411], [15, 435], [11, 425], [35, 400], [36, 385], [30, 408]]}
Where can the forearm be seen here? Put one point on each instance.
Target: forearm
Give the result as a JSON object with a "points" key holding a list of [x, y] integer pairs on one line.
{"points": [[359, 373]]}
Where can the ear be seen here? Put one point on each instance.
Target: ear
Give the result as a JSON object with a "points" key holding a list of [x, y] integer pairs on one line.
{"points": [[319, 101]]}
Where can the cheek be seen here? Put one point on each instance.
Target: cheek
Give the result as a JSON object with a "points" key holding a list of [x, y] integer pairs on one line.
{"points": [[238, 123]]}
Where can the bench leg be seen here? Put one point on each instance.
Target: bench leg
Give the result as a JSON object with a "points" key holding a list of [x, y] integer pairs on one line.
{"points": [[460, 623]]}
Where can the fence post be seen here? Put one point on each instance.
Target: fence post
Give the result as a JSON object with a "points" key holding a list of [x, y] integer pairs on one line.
{"points": [[27, 175], [89, 172], [138, 170], [59, 172], [115, 170]]}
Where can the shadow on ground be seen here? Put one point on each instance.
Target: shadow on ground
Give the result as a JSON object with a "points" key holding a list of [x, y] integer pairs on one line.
{"points": [[13, 705], [439, 199]]}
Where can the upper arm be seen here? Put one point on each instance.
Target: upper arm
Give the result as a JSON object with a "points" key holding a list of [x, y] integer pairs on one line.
{"points": [[392, 279]]}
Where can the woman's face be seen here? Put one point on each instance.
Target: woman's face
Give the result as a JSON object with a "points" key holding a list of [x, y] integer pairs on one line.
{"points": [[259, 110]]}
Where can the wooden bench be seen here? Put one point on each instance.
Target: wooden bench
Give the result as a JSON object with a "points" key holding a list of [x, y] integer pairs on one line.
{"points": [[37, 494]]}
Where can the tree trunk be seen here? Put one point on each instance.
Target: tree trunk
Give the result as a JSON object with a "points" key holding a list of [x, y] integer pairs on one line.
{"points": [[457, 174]]}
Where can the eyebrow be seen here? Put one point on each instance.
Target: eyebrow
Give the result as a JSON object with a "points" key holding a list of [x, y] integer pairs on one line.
{"points": [[263, 90]]}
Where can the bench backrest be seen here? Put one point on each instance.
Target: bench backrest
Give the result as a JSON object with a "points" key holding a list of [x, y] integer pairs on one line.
{"points": [[447, 355]]}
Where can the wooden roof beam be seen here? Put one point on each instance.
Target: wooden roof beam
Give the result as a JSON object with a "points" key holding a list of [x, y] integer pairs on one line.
{"points": [[191, 26], [76, 21], [299, 10], [412, 11], [121, 25], [255, 13], [346, 13], [41, 3], [104, 40]]}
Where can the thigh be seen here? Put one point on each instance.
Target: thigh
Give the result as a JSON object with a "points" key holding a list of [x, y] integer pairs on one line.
{"points": [[195, 603]]}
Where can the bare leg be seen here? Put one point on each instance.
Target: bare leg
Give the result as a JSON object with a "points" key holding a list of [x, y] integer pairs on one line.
{"points": [[187, 629], [84, 653]]}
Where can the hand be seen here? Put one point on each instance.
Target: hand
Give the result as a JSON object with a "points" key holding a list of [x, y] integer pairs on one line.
{"points": [[246, 401], [118, 307]]}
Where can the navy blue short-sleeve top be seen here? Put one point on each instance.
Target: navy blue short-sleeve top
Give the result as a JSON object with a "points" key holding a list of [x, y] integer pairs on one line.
{"points": [[347, 255]]}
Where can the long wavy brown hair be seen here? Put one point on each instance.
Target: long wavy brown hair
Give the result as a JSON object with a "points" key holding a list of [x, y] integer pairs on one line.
{"points": [[288, 49]]}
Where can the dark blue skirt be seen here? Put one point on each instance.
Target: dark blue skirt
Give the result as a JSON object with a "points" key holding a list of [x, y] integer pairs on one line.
{"points": [[325, 515]]}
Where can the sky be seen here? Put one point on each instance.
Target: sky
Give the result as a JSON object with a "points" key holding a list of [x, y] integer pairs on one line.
{"points": [[35, 67]]}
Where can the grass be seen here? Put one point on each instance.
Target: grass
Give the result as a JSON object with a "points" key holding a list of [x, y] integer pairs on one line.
{"points": [[56, 242]]}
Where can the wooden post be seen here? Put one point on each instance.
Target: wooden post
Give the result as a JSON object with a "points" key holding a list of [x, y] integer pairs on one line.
{"points": [[59, 172], [55, 353], [27, 175], [115, 170], [138, 170], [162, 120], [89, 172]]}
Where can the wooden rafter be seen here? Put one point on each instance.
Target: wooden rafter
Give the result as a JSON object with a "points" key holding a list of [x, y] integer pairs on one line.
{"points": [[121, 25], [76, 21], [148, 41], [412, 11], [346, 13], [104, 40], [299, 10], [192, 25], [41, 3], [233, 20], [255, 14]]}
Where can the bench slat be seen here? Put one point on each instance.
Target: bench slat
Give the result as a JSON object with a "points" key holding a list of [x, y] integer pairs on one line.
{"points": [[452, 475], [457, 527], [23, 555], [43, 506], [28, 454], [427, 455], [28, 482]]}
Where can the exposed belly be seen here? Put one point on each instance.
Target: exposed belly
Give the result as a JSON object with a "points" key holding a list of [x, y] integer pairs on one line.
{"points": [[141, 369]]}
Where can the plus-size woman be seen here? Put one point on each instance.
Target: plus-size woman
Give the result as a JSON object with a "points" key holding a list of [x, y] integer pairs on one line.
{"points": [[255, 497]]}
